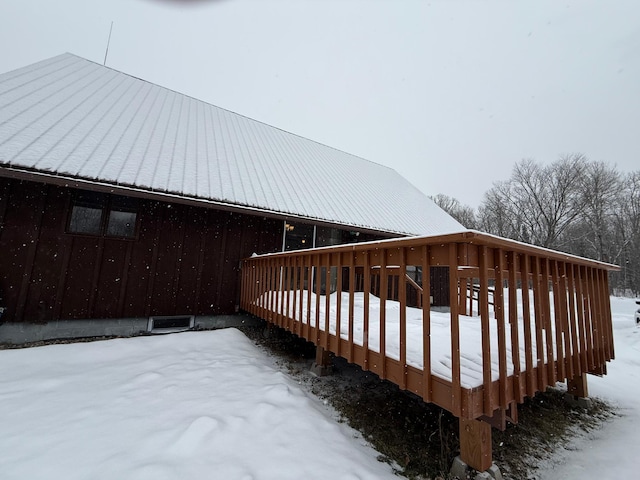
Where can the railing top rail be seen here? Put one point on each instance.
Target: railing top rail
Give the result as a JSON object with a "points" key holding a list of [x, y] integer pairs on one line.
{"points": [[471, 237]]}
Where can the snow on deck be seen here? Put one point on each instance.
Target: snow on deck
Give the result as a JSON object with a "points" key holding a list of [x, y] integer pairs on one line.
{"points": [[470, 333]]}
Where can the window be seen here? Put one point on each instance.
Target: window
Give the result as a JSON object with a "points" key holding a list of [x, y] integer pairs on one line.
{"points": [[122, 217], [95, 213], [298, 236], [86, 214]]}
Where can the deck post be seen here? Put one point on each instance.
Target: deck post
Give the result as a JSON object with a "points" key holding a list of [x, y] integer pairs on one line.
{"points": [[577, 386], [577, 392], [475, 444], [323, 362]]}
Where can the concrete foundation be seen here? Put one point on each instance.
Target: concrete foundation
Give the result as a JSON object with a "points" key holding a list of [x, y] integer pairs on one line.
{"points": [[462, 471], [19, 333], [576, 401]]}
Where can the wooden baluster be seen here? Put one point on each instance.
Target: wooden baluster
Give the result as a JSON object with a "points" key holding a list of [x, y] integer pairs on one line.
{"points": [[518, 385], [318, 273], [539, 325], [586, 302], [607, 307], [602, 323], [546, 305], [280, 271], [352, 288], [483, 307], [264, 290], [339, 273], [498, 306], [327, 302], [302, 273], [365, 327], [427, 388], [402, 293], [596, 329], [558, 317], [277, 282], [262, 279], [383, 313], [295, 289], [471, 293], [456, 407], [462, 298], [277, 270], [606, 313], [286, 285], [566, 329], [310, 272], [526, 321], [269, 286], [580, 301], [269, 291], [253, 287], [574, 328]]}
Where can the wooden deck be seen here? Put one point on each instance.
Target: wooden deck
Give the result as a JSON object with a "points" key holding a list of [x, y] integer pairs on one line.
{"points": [[561, 326]]}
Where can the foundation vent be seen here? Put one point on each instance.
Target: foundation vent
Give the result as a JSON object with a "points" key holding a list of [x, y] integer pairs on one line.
{"points": [[170, 324]]}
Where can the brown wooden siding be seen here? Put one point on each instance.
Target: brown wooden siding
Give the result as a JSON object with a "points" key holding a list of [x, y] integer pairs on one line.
{"points": [[184, 259]]}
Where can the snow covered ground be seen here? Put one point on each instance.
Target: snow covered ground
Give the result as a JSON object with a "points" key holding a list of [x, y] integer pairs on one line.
{"points": [[206, 405], [610, 452], [213, 405]]}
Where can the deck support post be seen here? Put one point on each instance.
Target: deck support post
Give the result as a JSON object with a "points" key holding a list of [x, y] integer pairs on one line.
{"points": [[322, 364], [577, 391], [501, 416], [475, 444], [577, 386]]}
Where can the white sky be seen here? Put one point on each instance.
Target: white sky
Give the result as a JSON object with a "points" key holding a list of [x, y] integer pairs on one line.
{"points": [[450, 93]]}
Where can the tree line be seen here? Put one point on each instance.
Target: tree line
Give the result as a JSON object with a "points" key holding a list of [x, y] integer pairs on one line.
{"points": [[574, 205]]}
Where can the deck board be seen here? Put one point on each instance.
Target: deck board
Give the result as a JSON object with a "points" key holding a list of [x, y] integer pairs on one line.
{"points": [[471, 355]]}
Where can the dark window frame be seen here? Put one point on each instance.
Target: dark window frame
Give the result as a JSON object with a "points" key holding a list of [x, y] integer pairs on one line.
{"points": [[83, 215]]}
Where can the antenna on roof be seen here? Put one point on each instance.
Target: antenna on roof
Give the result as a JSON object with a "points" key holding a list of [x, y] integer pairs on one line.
{"points": [[108, 42]]}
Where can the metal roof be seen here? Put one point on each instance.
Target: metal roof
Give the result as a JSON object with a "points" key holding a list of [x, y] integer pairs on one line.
{"points": [[68, 117]]}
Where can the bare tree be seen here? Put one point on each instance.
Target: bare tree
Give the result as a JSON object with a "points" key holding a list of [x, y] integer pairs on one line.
{"points": [[574, 205], [538, 203], [498, 215], [600, 186], [462, 213], [626, 235]]}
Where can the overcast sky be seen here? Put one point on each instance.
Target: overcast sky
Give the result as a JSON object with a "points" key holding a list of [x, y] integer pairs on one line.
{"points": [[450, 93]]}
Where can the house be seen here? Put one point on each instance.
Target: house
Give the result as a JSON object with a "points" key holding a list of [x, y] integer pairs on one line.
{"points": [[127, 206]]}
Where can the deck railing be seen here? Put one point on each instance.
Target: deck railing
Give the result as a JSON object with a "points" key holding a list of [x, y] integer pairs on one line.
{"points": [[540, 316]]}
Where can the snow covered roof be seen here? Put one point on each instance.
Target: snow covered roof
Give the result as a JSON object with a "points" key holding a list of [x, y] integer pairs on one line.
{"points": [[69, 117]]}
